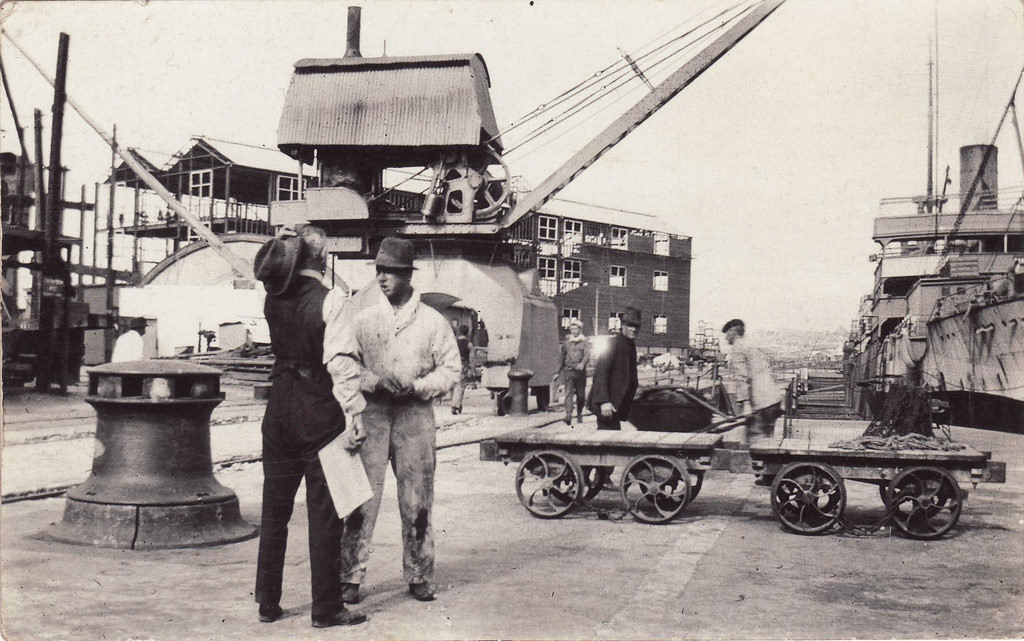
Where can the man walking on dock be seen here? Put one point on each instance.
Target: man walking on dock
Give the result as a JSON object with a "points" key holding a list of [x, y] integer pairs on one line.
{"points": [[756, 391]]}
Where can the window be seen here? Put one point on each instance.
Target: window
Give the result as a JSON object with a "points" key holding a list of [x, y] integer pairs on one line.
{"points": [[288, 188], [571, 273], [620, 238], [572, 237], [547, 267], [569, 314], [200, 183], [617, 276], [660, 324], [547, 228], [661, 244], [573, 228], [660, 281], [547, 270], [572, 269], [614, 321]]}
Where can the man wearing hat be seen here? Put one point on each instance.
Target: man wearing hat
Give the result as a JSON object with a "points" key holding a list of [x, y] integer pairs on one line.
{"points": [[572, 369], [389, 357], [615, 381], [302, 416], [757, 393], [129, 346]]}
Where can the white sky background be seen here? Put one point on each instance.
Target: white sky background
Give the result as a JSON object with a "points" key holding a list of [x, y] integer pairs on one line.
{"points": [[774, 160]]}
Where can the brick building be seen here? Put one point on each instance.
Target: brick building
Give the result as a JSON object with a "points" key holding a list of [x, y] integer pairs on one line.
{"points": [[595, 261]]}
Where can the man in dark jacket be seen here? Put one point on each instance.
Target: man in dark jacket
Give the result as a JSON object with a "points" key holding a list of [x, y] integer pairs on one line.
{"points": [[615, 381], [301, 417]]}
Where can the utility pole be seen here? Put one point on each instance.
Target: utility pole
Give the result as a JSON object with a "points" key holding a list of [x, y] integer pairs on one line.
{"points": [[42, 365], [108, 282], [54, 266]]}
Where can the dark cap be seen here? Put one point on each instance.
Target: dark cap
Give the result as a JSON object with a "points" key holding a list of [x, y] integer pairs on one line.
{"points": [[396, 253], [733, 323], [631, 317], [275, 263], [137, 323]]}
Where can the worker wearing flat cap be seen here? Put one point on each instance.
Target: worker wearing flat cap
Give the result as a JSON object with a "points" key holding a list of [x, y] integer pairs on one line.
{"points": [[389, 359], [301, 417], [574, 356], [615, 380], [757, 393]]}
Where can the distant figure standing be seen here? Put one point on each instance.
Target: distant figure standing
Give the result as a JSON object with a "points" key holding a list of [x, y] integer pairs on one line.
{"points": [[615, 381], [480, 337], [572, 369], [465, 349], [129, 346], [756, 392]]}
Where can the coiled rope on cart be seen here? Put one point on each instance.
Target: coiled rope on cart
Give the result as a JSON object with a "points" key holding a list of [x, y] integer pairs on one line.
{"points": [[905, 423]]}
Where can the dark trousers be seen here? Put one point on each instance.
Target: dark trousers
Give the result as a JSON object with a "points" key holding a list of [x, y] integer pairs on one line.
{"points": [[575, 391], [281, 478]]}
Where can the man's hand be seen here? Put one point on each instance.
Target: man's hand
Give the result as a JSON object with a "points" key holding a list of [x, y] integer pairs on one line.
{"points": [[286, 231], [354, 435], [607, 410], [397, 388]]}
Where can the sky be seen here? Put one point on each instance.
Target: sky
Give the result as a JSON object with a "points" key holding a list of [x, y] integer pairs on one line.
{"points": [[774, 161]]}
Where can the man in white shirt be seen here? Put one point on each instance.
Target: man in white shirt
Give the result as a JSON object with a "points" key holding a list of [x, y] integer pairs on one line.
{"points": [[756, 392], [129, 346], [389, 356]]}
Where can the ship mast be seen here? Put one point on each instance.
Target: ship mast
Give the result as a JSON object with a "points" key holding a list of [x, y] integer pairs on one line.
{"points": [[930, 199]]}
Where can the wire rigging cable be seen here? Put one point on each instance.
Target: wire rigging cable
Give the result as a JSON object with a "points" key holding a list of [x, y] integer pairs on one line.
{"points": [[620, 80], [615, 70]]}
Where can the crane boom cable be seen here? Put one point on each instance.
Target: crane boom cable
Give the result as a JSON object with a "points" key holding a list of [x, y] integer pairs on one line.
{"points": [[613, 68], [640, 112], [624, 78], [618, 65]]}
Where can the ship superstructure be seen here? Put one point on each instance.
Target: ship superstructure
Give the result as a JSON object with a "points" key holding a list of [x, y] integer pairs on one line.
{"points": [[947, 308]]}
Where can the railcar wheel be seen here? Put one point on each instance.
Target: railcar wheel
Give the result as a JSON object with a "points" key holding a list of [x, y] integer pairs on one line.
{"points": [[808, 498], [655, 489], [595, 477], [549, 483], [926, 501]]}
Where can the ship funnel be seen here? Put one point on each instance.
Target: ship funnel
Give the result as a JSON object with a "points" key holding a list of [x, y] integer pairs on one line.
{"points": [[352, 39], [971, 159]]}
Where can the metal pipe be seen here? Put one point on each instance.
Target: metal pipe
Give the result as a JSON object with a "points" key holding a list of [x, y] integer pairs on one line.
{"points": [[352, 37]]}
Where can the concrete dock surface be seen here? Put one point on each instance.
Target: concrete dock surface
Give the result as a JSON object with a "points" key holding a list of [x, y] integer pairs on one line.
{"points": [[723, 569]]}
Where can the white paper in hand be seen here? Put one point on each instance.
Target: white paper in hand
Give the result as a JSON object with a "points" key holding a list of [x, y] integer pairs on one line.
{"points": [[346, 477]]}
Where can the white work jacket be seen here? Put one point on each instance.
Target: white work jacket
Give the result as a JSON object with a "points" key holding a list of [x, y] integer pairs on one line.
{"points": [[412, 344], [753, 375]]}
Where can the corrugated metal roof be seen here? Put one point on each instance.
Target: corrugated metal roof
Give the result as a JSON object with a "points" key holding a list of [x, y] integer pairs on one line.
{"points": [[394, 61], [607, 215], [257, 157], [392, 102]]}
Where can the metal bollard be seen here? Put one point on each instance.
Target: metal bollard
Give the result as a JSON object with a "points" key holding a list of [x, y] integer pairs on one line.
{"points": [[519, 391], [152, 483]]}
